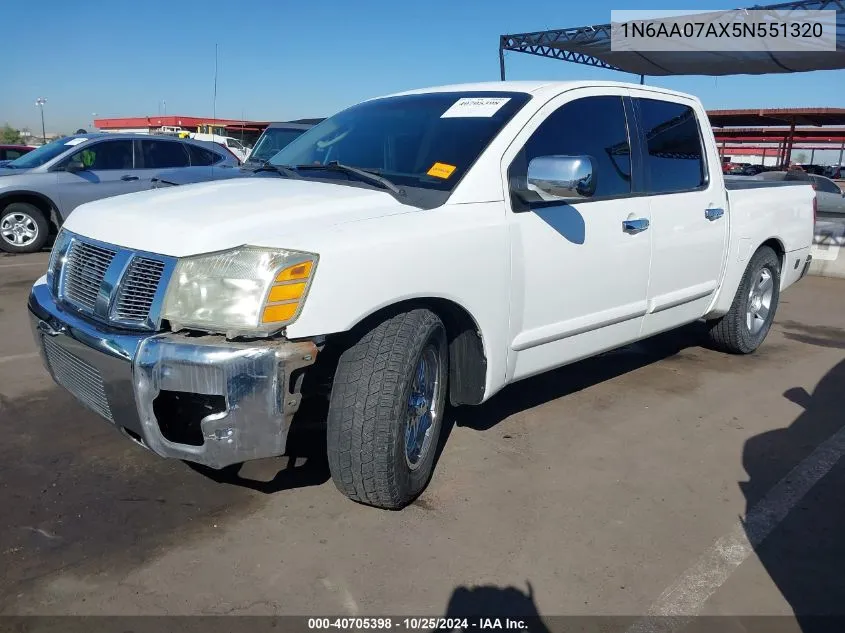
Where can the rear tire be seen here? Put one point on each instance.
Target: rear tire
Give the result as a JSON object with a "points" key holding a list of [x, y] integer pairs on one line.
{"points": [[744, 328], [23, 228], [386, 410]]}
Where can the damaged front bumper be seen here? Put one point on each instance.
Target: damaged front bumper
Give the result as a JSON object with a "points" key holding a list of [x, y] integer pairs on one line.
{"points": [[199, 398]]}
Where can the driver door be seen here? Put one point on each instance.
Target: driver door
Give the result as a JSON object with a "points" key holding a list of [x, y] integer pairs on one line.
{"points": [[99, 170], [579, 267]]}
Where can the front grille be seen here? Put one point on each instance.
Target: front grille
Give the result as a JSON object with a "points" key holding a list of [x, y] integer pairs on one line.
{"points": [[84, 270], [138, 290], [78, 377]]}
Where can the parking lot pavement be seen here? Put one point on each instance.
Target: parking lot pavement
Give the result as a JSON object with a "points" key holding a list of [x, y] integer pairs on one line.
{"points": [[661, 478]]}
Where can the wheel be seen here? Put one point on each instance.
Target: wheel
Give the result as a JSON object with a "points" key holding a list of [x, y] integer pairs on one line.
{"points": [[386, 409], [745, 326], [23, 228]]}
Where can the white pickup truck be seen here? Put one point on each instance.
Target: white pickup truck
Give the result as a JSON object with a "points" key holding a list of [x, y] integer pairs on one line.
{"points": [[434, 244]]}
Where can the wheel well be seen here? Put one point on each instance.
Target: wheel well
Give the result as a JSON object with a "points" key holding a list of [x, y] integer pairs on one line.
{"points": [[467, 362], [42, 203], [777, 247]]}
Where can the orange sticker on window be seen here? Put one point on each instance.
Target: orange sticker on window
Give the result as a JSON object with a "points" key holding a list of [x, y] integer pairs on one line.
{"points": [[441, 170]]}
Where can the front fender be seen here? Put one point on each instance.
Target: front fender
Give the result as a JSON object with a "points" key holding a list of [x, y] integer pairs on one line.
{"points": [[458, 253]]}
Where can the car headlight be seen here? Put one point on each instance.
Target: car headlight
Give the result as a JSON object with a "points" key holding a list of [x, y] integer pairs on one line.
{"points": [[245, 291], [57, 255]]}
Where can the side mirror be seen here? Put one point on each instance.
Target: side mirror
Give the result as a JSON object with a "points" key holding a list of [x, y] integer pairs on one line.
{"points": [[799, 396], [563, 177]]}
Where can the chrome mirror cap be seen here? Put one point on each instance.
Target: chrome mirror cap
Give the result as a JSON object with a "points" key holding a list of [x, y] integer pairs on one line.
{"points": [[563, 177]]}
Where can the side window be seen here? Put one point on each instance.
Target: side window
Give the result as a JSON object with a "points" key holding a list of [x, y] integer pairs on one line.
{"points": [[674, 157], [233, 143], [826, 186], [12, 154], [201, 156], [592, 126], [104, 156], [160, 154]]}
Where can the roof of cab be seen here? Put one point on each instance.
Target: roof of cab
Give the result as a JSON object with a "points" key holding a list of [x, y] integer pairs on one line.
{"points": [[539, 88]]}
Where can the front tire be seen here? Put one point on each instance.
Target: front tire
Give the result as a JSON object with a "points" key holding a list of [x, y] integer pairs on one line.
{"points": [[386, 410], [744, 328], [23, 228]]}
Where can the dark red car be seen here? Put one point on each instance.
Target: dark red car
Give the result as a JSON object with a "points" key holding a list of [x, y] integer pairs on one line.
{"points": [[11, 152]]}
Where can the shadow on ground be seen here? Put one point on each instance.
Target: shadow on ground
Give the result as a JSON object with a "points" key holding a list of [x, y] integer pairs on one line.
{"points": [[562, 382], [305, 464], [805, 553], [820, 335], [481, 606]]}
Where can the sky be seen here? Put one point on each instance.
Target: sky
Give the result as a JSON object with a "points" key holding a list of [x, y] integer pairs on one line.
{"points": [[281, 60]]}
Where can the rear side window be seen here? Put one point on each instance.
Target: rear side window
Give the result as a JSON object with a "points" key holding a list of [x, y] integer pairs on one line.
{"points": [[12, 154], [202, 157], [592, 126], [825, 185], [163, 154], [674, 157]]}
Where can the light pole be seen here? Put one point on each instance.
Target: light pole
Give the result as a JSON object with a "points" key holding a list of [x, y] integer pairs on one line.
{"points": [[40, 101]]}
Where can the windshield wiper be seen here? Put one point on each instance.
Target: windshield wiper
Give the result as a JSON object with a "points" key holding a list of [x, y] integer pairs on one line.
{"points": [[284, 170], [361, 174]]}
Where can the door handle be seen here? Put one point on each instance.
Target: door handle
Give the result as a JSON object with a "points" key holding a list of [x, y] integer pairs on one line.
{"points": [[635, 226], [128, 178], [713, 214]]}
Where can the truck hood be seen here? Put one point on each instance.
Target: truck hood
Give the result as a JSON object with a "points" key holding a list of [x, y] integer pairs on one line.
{"points": [[212, 216]]}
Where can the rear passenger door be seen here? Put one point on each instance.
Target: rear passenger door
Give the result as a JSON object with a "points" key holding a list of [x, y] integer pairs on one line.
{"points": [[157, 154], [689, 225]]}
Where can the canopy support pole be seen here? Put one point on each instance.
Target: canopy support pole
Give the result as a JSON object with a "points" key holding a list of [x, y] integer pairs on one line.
{"points": [[501, 61], [788, 153], [642, 79], [841, 150]]}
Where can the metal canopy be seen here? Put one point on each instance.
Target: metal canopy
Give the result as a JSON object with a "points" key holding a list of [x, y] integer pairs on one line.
{"points": [[590, 45], [754, 117]]}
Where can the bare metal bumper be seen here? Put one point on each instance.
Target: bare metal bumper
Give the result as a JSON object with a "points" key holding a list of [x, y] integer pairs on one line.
{"points": [[120, 375]]}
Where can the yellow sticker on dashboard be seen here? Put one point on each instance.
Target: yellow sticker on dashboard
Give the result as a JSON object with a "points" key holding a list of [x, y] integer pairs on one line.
{"points": [[441, 170]]}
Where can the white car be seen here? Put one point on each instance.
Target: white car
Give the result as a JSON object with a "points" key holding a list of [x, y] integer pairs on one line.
{"points": [[434, 244], [232, 144]]}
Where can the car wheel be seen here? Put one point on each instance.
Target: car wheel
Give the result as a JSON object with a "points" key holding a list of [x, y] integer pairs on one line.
{"points": [[386, 410], [23, 228], [744, 328]]}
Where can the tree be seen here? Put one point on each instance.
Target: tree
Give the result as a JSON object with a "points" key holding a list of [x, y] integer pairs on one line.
{"points": [[800, 157], [10, 136]]}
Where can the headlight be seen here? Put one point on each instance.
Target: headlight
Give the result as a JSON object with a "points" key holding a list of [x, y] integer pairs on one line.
{"points": [[247, 291], [58, 253]]}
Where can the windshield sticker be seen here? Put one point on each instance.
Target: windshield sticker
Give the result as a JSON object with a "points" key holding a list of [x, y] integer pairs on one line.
{"points": [[76, 141], [441, 170], [475, 107]]}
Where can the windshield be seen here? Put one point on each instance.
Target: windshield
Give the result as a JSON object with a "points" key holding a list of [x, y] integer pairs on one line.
{"points": [[38, 157], [421, 140], [271, 142]]}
